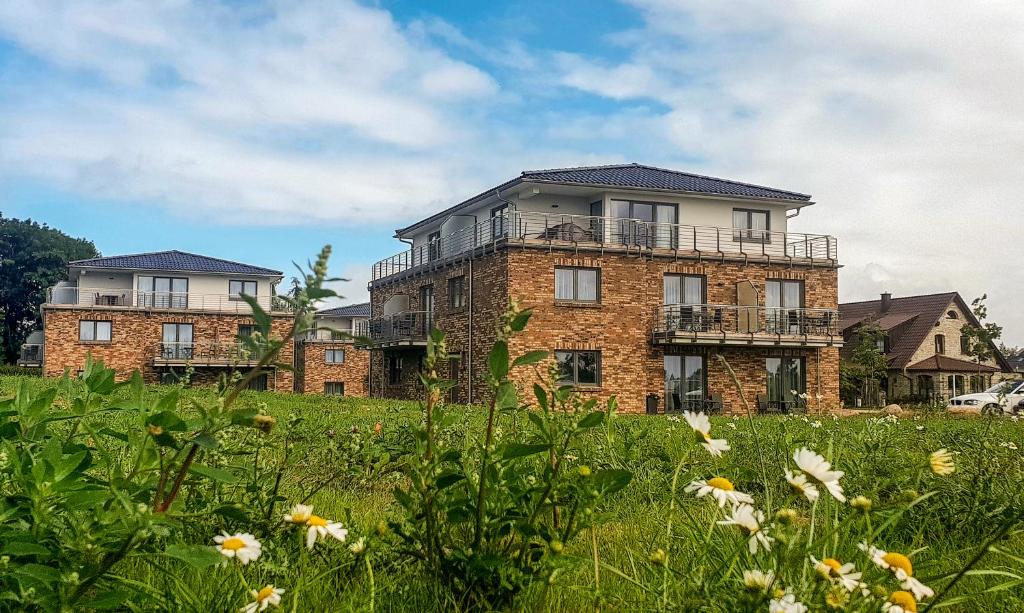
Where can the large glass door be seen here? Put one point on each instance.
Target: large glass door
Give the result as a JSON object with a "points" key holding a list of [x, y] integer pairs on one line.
{"points": [[427, 306], [177, 342], [783, 303], [683, 297], [163, 292], [684, 383], [645, 224], [786, 382]]}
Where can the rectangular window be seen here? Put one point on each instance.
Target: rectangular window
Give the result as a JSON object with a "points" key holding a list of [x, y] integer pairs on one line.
{"points": [[91, 331], [579, 367], [751, 225], [786, 381], [236, 288], [163, 292], [247, 330], [965, 344], [684, 383], [683, 289], [434, 246], [457, 292], [394, 368], [177, 341], [258, 384], [334, 356], [499, 221], [334, 388], [577, 284], [940, 344]]}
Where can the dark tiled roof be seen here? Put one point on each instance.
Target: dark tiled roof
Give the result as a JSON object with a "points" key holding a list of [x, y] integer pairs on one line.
{"points": [[945, 363], [1016, 363], [350, 310], [625, 176], [908, 321], [638, 176], [179, 261]]}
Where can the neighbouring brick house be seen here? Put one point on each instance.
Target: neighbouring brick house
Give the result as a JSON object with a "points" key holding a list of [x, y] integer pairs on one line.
{"points": [[332, 358], [161, 313], [639, 278], [924, 345]]}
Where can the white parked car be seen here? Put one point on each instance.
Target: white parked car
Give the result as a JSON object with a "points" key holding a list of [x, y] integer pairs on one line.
{"points": [[1003, 397]]}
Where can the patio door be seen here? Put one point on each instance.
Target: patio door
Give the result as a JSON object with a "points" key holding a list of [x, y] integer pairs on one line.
{"points": [[427, 306], [783, 301], [683, 297], [684, 383], [786, 381], [177, 342], [645, 224], [163, 292]]}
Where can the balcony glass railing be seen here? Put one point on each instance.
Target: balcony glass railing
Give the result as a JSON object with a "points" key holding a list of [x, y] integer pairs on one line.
{"points": [[732, 319], [177, 301], [614, 232]]}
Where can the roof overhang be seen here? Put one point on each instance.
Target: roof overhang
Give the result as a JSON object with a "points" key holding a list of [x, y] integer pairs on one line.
{"points": [[156, 271]]}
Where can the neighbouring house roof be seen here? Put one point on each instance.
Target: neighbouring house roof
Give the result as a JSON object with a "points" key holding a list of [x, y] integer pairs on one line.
{"points": [[177, 261], [352, 310], [1016, 363], [943, 363], [915, 316], [629, 176]]}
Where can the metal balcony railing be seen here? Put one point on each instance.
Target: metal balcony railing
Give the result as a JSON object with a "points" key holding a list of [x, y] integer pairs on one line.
{"points": [[358, 329], [204, 352], [733, 319], [183, 301], [405, 326], [31, 354], [612, 233]]}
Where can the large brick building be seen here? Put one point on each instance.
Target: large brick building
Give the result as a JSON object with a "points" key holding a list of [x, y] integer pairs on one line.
{"points": [[332, 358], [639, 279]]}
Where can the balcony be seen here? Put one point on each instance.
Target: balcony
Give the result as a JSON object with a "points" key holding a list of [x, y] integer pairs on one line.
{"points": [[87, 297], [719, 324], [203, 353], [613, 234], [358, 329], [31, 355], [409, 328]]}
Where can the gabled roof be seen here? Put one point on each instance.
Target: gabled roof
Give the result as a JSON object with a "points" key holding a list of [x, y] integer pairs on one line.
{"points": [[629, 176], [945, 363], [914, 315], [352, 310], [176, 261]]}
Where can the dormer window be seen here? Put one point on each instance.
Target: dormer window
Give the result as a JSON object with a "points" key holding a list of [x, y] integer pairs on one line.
{"points": [[952, 315]]}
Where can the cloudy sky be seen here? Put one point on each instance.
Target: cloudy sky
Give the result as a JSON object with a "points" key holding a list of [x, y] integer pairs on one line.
{"points": [[261, 130]]}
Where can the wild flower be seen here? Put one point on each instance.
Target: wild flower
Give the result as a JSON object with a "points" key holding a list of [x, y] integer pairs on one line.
{"points": [[702, 429], [299, 514], [320, 528], [786, 515], [801, 485], [819, 469], [919, 428], [268, 596], [242, 546], [941, 462], [358, 547], [721, 489], [901, 567], [832, 569], [815, 424], [758, 580], [787, 603], [861, 503], [749, 520], [900, 602], [1009, 445]]}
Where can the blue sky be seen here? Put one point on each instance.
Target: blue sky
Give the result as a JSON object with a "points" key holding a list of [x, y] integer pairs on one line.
{"points": [[259, 130]]}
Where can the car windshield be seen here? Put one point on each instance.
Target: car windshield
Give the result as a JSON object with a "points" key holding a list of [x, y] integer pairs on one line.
{"points": [[1004, 387]]}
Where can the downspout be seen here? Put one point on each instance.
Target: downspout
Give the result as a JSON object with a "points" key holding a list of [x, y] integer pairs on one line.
{"points": [[469, 352]]}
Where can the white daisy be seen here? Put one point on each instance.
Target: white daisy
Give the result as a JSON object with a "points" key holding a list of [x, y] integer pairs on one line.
{"points": [[299, 514], [786, 604], [941, 462], [819, 469], [749, 520], [758, 580], [801, 485], [833, 570], [722, 489], [701, 426], [269, 596], [900, 602], [900, 566], [320, 528], [243, 546]]}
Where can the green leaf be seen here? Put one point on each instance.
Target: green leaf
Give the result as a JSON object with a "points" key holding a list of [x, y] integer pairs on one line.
{"points": [[519, 450], [206, 441], [531, 357], [19, 548], [505, 396], [243, 417], [67, 465], [107, 600], [261, 317], [518, 323], [168, 420], [612, 480], [167, 402], [448, 479], [233, 511], [217, 474], [497, 361], [45, 575], [591, 420], [196, 556]]}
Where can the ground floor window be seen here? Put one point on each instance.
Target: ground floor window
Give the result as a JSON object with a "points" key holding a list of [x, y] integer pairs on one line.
{"points": [[578, 367], [978, 384], [786, 381], [258, 383], [955, 385], [334, 388], [685, 378], [394, 369]]}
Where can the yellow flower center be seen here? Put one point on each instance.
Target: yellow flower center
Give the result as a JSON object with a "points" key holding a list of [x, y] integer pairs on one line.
{"points": [[833, 566], [234, 543], [898, 560], [701, 437], [721, 483], [265, 593], [905, 600], [316, 520]]}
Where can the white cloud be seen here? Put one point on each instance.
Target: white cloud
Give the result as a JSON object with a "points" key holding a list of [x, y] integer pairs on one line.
{"points": [[902, 120]]}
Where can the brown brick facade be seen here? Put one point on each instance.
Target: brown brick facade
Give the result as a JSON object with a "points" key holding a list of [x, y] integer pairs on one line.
{"points": [[620, 326], [313, 372], [135, 334]]}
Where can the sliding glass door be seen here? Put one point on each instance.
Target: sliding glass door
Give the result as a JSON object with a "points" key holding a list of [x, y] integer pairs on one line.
{"points": [[163, 292], [684, 383], [784, 300], [177, 341], [647, 224], [786, 381]]}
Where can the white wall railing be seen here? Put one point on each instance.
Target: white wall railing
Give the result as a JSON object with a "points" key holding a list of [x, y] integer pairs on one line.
{"points": [[614, 232], [183, 301]]}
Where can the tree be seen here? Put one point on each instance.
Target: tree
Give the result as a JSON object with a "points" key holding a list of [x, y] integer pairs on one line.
{"points": [[981, 341], [33, 257], [867, 363]]}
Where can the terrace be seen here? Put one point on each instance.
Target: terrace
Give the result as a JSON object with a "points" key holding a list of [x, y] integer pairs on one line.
{"points": [[614, 235], [409, 328], [31, 355], [724, 324], [203, 353], [117, 298]]}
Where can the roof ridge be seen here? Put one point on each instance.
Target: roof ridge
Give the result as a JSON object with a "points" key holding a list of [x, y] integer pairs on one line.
{"points": [[268, 271], [903, 297]]}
